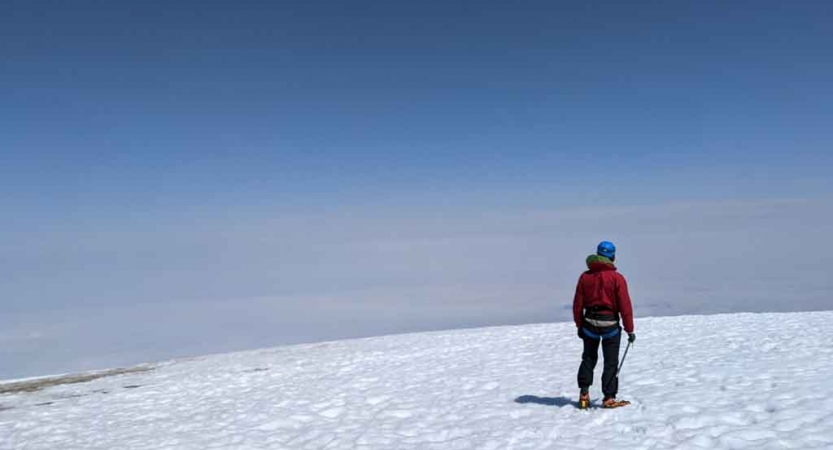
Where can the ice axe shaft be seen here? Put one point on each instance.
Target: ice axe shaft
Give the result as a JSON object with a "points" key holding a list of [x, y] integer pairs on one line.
{"points": [[622, 363], [623, 358]]}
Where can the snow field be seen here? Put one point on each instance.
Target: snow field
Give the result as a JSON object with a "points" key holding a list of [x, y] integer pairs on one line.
{"points": [[737, 381]]}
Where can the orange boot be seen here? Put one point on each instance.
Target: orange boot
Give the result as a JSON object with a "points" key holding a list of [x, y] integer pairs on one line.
{"points": [[583, 399], [611, 402]]}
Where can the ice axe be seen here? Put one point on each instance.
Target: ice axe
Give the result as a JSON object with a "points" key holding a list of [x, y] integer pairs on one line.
{"points": [[623, 358], [622, 363]]}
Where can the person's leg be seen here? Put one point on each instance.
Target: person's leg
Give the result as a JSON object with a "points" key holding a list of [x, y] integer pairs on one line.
{"points": [[610, 382], [589, 357]]}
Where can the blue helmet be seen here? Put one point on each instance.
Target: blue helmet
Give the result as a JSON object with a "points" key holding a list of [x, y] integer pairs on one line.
{"points": [[606, 249]]}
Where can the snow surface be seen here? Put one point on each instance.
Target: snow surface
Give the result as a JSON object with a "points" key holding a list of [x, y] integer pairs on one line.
{"points": [[737, 381]]}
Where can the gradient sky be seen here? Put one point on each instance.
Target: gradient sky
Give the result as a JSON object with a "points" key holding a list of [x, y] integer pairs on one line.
{"points": [[191, 177]]}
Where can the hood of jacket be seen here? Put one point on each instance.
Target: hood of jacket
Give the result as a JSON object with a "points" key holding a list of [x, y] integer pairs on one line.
{"points": [[598, 263]]}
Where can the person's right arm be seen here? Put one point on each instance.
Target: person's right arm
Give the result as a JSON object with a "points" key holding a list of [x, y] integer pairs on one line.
{"points": [[625, 307]]}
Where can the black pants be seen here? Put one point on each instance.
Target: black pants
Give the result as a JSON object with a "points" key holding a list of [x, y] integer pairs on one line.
{"points": [[610, 349]]}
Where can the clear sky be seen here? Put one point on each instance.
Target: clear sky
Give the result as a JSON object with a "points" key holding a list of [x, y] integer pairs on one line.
{"points": [[187, 177]]}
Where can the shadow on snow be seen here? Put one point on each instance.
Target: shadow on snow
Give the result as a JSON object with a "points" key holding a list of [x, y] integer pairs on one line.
{"points": [[547, 401]]}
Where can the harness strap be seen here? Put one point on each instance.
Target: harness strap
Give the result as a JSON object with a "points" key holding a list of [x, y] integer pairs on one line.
{"points": [[607, 335]]}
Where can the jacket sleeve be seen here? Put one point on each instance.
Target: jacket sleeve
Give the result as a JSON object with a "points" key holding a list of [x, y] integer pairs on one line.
{"points": [[624, 301], [578, 304]]}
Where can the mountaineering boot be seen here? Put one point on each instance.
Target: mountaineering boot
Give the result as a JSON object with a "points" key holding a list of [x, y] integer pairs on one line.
{"points": [[583, 399], [611, 402]]}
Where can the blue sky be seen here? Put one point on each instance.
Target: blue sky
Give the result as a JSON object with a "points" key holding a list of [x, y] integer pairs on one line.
{"points": [[353, 168]]}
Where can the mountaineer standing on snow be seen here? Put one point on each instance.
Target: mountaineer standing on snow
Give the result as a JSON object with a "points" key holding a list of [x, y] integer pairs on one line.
{"points": [[601, 298]]}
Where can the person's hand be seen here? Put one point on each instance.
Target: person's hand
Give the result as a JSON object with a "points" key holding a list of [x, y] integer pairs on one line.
{"points": [[631, 337], [580, 335]]}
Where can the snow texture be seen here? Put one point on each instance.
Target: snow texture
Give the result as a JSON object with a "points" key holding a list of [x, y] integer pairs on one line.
{"points": [[738, 381]]}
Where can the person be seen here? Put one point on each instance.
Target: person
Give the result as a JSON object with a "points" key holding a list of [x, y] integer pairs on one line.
{"points": [[601, 299]]}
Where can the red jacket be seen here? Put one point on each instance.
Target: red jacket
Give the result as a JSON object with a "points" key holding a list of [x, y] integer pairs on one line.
{"points": [[602, 286]]}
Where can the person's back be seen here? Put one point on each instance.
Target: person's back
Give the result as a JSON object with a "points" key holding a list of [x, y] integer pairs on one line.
{"points": [[601, 299], [603, 288]]}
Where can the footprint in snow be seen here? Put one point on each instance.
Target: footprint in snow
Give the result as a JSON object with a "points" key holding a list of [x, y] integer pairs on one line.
{"points": [[373, 401], [332, 413], [277, 425], [399, 414]]}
